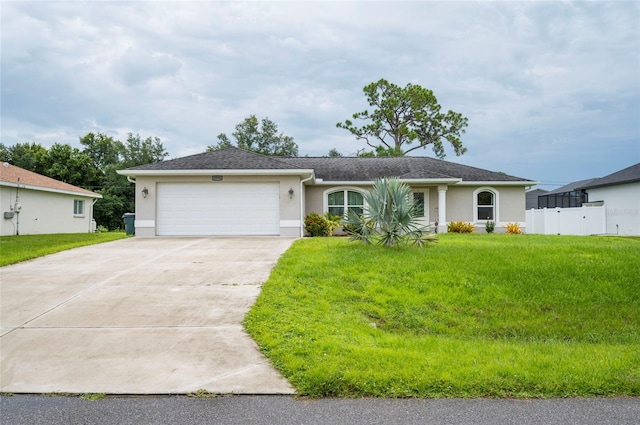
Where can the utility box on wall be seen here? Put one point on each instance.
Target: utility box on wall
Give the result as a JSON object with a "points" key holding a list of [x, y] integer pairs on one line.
{"points": [[9, 215]]}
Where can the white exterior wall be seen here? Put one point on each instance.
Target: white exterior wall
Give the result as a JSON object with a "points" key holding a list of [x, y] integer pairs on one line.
{"points": [[44, 213], [622, 204]]}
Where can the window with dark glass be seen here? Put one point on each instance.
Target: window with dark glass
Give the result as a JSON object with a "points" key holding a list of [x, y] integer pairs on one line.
{"points": [[418, 199], [486, 206]]}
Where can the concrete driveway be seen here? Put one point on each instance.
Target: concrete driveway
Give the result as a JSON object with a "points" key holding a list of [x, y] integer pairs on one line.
{"points": [[138, 316]]}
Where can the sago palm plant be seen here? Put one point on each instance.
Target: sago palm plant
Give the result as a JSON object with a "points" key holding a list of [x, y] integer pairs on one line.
{"points": [[390, 217]]}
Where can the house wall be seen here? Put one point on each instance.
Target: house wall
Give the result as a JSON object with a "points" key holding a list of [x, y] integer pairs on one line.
{"points": [[44, 213], [622, 204], [290, 223], [460, 202]]}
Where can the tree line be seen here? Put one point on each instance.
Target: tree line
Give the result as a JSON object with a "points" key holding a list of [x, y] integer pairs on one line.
{"points": [[92, 167]]}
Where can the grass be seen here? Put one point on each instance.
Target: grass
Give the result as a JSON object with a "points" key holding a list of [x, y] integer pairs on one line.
{"points": [[472, 316], [14, 249]]}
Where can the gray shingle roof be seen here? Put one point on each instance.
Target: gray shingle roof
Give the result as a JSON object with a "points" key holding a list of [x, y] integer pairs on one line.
{"points": [[406, 167], [570, 187], [332, 169], [223, 159], [628, 175]]}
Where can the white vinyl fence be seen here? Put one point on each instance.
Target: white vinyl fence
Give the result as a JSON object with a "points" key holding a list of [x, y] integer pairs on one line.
{"points": [[586, 220]]}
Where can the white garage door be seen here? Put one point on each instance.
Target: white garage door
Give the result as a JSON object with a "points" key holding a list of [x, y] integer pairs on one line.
{"points": [[218, 209]]}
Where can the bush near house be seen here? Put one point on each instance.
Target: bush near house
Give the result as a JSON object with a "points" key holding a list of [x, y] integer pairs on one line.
{"points": [[472, 316], [390, 217], [490, 226], [323, 226], [514, 229], [460, 227]]}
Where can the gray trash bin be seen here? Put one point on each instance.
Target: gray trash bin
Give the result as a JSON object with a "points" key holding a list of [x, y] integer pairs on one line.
{"points": [[129, 223]]}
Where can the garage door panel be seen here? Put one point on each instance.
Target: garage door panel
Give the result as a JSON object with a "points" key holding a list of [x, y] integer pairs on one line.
{"points": [[218, 209]]}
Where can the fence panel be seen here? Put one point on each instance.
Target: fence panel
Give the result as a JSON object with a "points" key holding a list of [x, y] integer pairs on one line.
{"points": [[567, 221]]}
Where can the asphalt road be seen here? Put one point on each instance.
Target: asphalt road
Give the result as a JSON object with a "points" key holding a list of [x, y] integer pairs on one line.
{"points": [[262, 410]]}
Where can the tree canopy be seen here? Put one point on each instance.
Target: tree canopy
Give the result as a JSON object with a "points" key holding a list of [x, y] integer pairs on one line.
{"points": [[406, 119], [260, 137]]}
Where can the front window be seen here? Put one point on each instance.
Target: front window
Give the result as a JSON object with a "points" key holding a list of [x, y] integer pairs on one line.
{"points": [[418, 199], [78, 207], [486, 205], [341, 201]]}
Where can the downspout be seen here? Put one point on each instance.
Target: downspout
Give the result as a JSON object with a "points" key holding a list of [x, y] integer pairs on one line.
{"points": [[91, 215], [302, 198], [130, 180]]}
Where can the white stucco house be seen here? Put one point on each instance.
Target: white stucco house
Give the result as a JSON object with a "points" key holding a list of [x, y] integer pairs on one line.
{"points": [[235, 192], [35, 204], [619, 192]]}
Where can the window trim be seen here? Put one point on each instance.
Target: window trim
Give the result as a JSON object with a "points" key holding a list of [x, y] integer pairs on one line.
{"points": [[77, 202], [496, 203], [325, 196]]}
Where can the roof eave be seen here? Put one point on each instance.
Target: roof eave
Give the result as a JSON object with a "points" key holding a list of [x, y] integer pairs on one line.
{"points": [[48, 189], [231, 172], [321, 182], [497, 182]]}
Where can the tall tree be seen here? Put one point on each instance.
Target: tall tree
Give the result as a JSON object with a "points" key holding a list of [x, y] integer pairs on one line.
{"points": [[102, 149], [260, 137], [140, 152], [406, 119], [72, 166]]}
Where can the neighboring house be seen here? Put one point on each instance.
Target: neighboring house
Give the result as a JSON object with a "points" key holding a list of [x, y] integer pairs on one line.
{"points": [[620, 193], [35, 204], [607, 205], [568, 196], [532, 197], [235, 192]]}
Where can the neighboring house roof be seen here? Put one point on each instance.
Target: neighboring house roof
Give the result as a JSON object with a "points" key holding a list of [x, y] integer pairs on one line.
{"points": [[328, 169], [13, 176], [570, 187], [628, 175]]}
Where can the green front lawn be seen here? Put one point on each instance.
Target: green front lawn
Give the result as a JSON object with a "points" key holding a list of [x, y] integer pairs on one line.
{"points": [[14, 249], [472, 316]]}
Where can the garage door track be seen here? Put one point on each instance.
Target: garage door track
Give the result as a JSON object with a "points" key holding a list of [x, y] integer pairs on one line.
{"points": [[138, 316]]}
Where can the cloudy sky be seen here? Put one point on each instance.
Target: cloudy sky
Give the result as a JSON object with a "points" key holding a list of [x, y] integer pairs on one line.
{"points": [[551, 89]]}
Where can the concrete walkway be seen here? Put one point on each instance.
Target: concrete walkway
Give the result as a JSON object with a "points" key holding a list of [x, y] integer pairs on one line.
{"points": [[138, 316]]}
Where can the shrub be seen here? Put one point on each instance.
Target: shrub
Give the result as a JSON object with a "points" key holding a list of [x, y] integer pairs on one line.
{"points": [[460, 227], [514, 228], [354, 228], [317, 225], [490, 226], [390, 218], [335, 221], [102, 229]]}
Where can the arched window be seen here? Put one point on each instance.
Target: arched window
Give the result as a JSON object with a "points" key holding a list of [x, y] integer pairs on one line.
{"points": [[341, 201], [485, 203]]}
